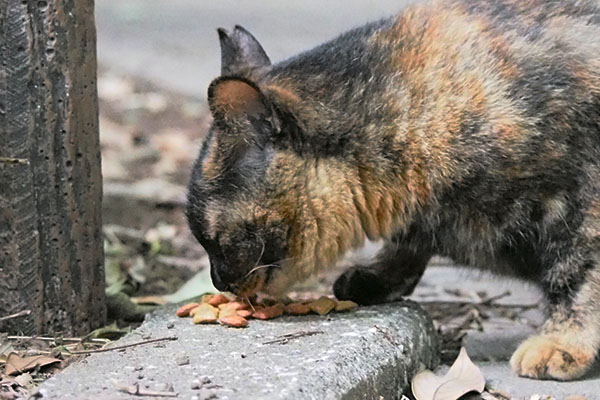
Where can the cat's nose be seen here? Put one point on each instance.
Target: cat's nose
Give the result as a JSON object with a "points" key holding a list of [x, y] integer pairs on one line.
{"points": [[217, 280]]}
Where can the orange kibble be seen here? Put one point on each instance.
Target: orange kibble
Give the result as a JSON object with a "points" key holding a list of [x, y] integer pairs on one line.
{"points": [[234, 321], [271, 312], [297, 309], [185, 309], [235, 305], [218, 299], [245, 313]]}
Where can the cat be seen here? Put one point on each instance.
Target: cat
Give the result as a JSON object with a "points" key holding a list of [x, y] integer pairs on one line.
{"points": [[468, 129]]}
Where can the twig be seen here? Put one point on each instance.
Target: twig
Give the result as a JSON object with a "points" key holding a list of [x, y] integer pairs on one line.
{"points": [[499, 394], [386, 335], [490, 300], [15, 315], [13, 160], [283, 339], [125, 346], [136, 390], [58, 339]]}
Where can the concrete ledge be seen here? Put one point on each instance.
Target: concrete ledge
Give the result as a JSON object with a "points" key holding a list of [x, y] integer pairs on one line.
{"points": [[364, 354]]}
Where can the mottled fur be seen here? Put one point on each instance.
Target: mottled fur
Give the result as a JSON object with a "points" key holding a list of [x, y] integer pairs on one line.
{"points": [[466, 128]]}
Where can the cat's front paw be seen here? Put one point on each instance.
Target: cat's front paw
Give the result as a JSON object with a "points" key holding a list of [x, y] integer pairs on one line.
{"points": [[360, 285], [547, 357]]}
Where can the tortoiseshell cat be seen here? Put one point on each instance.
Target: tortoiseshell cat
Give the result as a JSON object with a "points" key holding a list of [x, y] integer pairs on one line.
{"points": [[468, 128]]}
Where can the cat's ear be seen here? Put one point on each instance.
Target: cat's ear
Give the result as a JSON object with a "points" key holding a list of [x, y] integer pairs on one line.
{"points": [[240, 52], [231, 99], [246, 121]]}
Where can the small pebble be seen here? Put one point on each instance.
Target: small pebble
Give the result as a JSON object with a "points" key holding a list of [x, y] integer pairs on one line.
{"points": [[243, 355], [205, 380], [161, 387], [207, 394], [182, 360], [196, 384], [170, 325], [138, 368]]}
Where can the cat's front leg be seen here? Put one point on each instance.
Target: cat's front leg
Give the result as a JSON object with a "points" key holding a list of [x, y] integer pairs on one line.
{"points": [[564, 350], [570, 339], [394, 273]]}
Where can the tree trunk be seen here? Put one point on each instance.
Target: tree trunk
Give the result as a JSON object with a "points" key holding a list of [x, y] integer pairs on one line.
{"points": [[51, 257]]}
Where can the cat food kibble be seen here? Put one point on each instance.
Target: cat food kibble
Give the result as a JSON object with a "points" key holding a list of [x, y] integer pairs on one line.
{"points": [[345, 305], [185, 309], [204, 314], [218, 299], [322, 306], [221, 309], [233, 320], [297, 309], [271, 312]]}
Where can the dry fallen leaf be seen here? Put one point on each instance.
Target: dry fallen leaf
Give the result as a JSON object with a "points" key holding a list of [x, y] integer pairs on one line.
{"points": [[25, 380], [16, 364], [462, 377]]}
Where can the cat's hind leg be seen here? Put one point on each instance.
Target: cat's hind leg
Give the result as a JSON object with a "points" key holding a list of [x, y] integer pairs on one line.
{"points": [[394, 272]]}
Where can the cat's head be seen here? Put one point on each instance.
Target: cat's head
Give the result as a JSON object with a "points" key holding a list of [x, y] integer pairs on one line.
{"points": [[261, 209]]}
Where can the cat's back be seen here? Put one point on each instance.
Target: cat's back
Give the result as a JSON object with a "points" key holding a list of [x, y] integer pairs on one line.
{"points": [[503, 71]]}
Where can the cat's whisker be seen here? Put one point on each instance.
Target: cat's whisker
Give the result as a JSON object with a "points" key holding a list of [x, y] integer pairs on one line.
{"points": [[261, 267], [262, 251], [250, 303]]}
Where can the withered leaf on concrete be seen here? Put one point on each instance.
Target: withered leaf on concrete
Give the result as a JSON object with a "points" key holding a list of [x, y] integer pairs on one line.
{"points": [[462, 377], [17, 364]]}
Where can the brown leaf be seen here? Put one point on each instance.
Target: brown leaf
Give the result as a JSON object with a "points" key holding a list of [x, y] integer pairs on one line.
{"points": [[16, 364], [462, 377], [24, 380]]}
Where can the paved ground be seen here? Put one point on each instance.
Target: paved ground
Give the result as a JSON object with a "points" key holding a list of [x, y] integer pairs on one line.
{"points": [[363, 354], [492, 347]]}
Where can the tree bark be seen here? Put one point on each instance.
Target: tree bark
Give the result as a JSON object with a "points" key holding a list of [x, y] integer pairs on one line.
{"points": [[51, 257]]}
